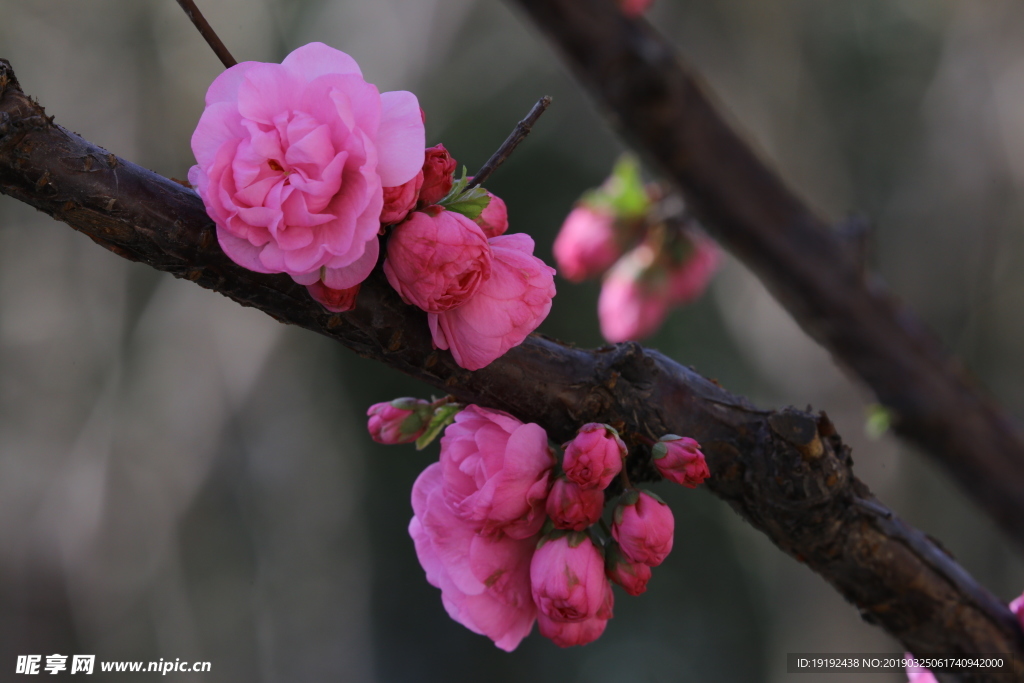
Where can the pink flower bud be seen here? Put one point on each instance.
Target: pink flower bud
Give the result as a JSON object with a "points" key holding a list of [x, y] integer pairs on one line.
{"points": [[398, 421], [632, 576], [587, 244], [507, 307], [400, 200], [569, 633], [497, 471], [594, 457], [437, 259], [438, 167], [494, 219], [567, 579], [634, 298], [571, 507], [679, 459], [643, 525], [688, 280], [634, 8], [336, 300]]}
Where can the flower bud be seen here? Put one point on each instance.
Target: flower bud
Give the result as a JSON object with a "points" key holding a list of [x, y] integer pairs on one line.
{"points": [[335, 300], [437, 259], [643, 525], [679, 459], [398, 421], [567, 579], [634, 297], [587, 244], [438, 167], [634, 8], [632, 576], [688, 280], [493, 220], [569, 633], [399, 201], [574, 508], [594, 457]]}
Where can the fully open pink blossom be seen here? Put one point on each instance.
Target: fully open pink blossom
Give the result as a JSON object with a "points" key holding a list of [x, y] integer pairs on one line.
{"points": [[568, 580], [438, 167], [437, 259], [493, 220], [336, 300], [632, 576], [594, 457], [505, 309], [688, 280], [292, 159], [497, 471], [643, 525], [399, 421], [400, 200], [634, 297], [484, 578], [587, 244], [679, 459], [572, 507]]}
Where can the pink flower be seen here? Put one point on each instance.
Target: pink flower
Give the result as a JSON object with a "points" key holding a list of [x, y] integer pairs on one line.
{"points": [[569, 633], [398, 421], [587, 244], [634, 8], [643, 525], [400, 200], [437, 259], [493, 220], [336, 300], [594, 457], [484, 578], [568, 581], [497, 471], [688, 280], [1017, 607], [505, 309], [571, 507], [634, 298], [679, 459], [292, 158], [438, 167], [632, 576]]}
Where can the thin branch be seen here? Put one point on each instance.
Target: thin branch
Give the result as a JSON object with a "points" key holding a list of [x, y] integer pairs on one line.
{"points": [[517, 135], [787, 473], [666, 112], [208, 33]]}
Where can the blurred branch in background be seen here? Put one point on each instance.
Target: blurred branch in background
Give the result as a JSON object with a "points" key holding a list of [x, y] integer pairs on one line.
{"points": [[666, 112], [787, 473]]}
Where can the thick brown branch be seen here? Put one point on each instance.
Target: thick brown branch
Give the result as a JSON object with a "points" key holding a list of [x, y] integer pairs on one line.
{"points": [[668, 115], [788, 473]]}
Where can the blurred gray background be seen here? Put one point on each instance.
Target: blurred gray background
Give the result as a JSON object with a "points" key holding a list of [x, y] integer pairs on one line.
{"points": [[184, 478]]}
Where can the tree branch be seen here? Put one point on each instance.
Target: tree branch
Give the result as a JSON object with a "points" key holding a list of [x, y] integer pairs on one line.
{"points": [[787, 473], [667, 113]]}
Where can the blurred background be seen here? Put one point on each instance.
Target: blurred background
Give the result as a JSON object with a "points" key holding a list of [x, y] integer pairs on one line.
{"points": [[184, 478]]}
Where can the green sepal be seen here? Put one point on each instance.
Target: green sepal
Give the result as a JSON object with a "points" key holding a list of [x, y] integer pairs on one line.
{"points": [[630, 497], [412, 424], [670, 437], [443, 416], [659, 451], [623, 193], [576, 537], [655, 496], [552, 535], [879, 420], [406, 403]]}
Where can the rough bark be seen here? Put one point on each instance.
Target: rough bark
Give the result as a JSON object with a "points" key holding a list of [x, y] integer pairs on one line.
{"points": [[787, 473], [668, 115]]}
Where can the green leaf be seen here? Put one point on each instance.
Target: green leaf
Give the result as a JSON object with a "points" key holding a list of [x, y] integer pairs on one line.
{"points": [[625, 189], [879, 420], [442, 417], [471, 204]]}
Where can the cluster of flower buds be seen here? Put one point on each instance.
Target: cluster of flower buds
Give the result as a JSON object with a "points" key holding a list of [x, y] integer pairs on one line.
{"points": [[512, 534], [303, 165], [653, 263]]}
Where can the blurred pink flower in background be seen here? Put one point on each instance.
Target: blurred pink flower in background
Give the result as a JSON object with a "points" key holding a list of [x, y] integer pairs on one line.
{"points": [[292, 162], [587, 244], [634, 297], [688, 280], [437, 259], [505, 309], [634, 8]]}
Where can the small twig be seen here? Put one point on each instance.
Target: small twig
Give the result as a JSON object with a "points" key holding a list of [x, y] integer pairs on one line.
{"points": [[208, 33], [518, 134]]}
